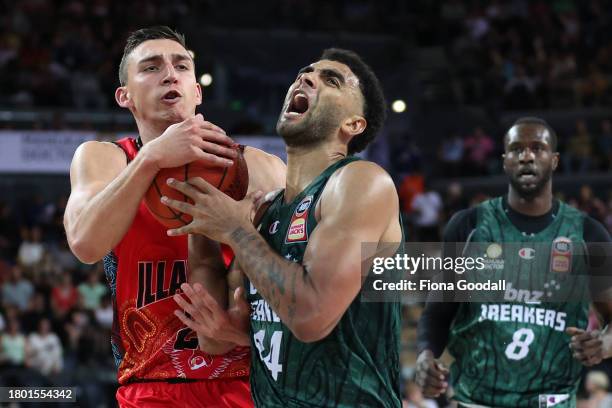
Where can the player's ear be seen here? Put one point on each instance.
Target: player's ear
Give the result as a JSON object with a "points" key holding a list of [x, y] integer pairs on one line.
{"points": [[198, 94], [354, 125], [555, 161], [123, 97]]}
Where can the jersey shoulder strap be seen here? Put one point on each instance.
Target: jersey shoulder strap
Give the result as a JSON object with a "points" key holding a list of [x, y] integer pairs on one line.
{"points": [[129, 146]]}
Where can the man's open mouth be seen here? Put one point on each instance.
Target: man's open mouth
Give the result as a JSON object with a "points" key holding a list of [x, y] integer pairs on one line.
{"points": [[171, 96], [298, 105]]}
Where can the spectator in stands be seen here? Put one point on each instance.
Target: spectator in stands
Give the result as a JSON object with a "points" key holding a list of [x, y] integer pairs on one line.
{"points": [[64, 296], [427, 211], [579, 153], [32, 252], [91, 291], [454, 200], [591, 205], [36, 311], [604, 145], [478, 149], [608, 219], [13, 346], [596, 385], [104, 313], [45, 350], [592, 89], [17, 291], [9, 233], [451, 155], [520, 90]]}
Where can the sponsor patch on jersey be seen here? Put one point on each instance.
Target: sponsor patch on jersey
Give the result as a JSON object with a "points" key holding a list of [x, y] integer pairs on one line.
{"points": [[303, 206], [561, 255], [494, 251], [297, 230], [527, 253], [273, 227], [298, 227]]}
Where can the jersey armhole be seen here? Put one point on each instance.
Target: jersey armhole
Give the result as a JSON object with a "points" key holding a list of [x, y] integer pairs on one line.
{"points": [[127, 158]]}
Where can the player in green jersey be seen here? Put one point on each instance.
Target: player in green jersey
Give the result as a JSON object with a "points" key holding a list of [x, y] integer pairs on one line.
{"points": [[314, 342], [513, 352]]}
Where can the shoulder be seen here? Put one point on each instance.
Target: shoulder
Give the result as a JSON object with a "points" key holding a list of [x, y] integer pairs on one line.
{"points": [[363, 176], [100, 152], [360, 186], [460, 225], [261, 160], [594, 231], [267, 170]]}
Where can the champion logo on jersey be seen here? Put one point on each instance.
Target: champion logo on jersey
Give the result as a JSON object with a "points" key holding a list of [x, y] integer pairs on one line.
{"points": [[303, 206], [551, 400], [527, 253], [273, 227]]}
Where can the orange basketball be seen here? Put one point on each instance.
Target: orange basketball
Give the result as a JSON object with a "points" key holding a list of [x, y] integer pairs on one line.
{"points": [[233, 181]]}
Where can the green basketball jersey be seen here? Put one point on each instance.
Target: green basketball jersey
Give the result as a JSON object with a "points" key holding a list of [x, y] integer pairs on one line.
{"points": [[515, 353], [356, 365]]}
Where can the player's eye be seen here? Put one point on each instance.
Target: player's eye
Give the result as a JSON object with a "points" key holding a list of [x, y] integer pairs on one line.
{"points": [[333, 81], [150, 68], [182, 67]]}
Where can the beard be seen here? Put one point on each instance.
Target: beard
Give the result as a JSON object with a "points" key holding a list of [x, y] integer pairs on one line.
{"points": [[529, 192], [311, 130]]}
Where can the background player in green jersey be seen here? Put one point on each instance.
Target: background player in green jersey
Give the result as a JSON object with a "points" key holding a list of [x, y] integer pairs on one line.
{"points": [[314, 342], [517, 359]]}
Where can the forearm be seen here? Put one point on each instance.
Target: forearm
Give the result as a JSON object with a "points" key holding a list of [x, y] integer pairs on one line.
{"points": [[282, 283], [434, 326], [206, 267], [95, 228]]}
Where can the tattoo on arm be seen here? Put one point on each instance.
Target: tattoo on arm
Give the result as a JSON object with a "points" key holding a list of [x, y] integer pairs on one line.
{"points": [[275, 278]]}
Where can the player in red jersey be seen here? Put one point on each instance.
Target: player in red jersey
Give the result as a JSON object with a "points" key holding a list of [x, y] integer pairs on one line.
{"points": [[158, 358]]}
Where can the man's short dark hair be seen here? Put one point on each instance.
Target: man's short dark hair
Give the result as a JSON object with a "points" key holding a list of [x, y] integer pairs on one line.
{"points": [[374, 105], [532, 120], [145, 34]]}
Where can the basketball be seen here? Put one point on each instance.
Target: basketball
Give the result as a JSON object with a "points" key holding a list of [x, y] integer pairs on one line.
{"points": [[233, 181]]}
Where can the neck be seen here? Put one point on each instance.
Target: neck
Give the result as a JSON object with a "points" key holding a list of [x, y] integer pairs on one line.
{"points": [[538, 205], [149, 130], [306, 163]]}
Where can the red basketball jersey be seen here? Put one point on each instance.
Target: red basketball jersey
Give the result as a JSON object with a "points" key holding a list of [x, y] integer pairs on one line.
{"points": [[144, 271]]}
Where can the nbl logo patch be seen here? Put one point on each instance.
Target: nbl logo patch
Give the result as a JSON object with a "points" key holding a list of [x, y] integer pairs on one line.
{"points": [[303, 206]]}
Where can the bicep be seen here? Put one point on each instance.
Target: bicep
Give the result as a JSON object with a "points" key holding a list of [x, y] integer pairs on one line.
{"points": [[333, 259], [94, 166]]}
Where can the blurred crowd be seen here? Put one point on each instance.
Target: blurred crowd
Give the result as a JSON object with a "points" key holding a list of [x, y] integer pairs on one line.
{"points": [[55, 313], [585, 147], [527, 55], [513, 55]]}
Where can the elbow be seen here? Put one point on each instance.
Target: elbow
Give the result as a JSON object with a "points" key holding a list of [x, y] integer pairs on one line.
{"points": [[84, 251]]}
